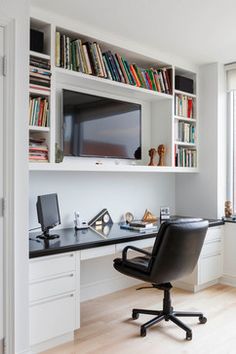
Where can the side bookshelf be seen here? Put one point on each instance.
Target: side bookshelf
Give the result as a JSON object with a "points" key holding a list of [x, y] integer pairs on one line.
{"points": [[86, 64], [40, 134], [185, 120]]}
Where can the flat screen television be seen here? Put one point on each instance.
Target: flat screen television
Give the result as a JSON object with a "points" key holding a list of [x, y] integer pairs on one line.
{"points": [[96, 126]]}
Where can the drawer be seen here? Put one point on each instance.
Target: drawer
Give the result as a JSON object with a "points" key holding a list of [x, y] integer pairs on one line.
{"points": [[97, 252], [45, 267], [213, 233], [210, 268], [52, 318], [149, 242], [60, 284], [211, 248]]}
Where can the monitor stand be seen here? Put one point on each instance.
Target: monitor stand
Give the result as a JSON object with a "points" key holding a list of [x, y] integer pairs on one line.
{"points": [[45, 236]]}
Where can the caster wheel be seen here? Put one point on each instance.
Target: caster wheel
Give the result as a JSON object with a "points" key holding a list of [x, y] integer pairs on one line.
{"points": [[202, 319], [189, 336], [135, 315], [143, 332]]}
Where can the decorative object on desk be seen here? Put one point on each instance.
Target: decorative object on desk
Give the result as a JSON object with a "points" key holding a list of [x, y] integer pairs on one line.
{"points": [[59, 156], [148, 216], [80, 225], [164, 213], [228, 209], [152, 153], [101, 219], [128, 217], [161, 152], [102, 230]]}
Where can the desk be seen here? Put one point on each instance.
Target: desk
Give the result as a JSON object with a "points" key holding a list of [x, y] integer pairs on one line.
{"points": [[55, 268]]}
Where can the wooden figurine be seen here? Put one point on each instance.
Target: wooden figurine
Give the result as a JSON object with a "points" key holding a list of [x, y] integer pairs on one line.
{"points": [[228, 209], [152, 153], [149, 217], [161, 152]]}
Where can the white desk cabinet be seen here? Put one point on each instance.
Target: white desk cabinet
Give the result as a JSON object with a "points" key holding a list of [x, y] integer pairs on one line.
{"points": [[54, 296], [210, 265]]}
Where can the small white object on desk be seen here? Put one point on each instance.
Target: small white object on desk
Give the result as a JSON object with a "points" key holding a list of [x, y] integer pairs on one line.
{"points": [[80, 225]]}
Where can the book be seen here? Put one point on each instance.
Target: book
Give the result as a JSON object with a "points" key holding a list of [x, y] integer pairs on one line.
{"points": [[140, 223], [137, 228]]}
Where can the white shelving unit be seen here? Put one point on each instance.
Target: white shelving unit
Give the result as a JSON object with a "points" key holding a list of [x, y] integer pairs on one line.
{"points": [[185, 143], [158, 109], [34, 130]]}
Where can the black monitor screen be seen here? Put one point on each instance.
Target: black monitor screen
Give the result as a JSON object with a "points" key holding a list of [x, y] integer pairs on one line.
{"points": [[100, 127], [48, 211]]}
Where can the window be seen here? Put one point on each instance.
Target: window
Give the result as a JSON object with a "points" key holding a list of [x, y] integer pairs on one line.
{"points": [[231, 135]]}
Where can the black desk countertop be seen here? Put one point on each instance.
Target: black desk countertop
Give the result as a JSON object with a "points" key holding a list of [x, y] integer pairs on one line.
{"points": [[71, 240]]}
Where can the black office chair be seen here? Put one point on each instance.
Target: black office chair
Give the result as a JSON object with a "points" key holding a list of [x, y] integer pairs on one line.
{"points": [[174, 255]]}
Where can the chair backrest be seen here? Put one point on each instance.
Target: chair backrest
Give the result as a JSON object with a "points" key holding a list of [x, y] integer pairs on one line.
{"points": [[177, 249]]}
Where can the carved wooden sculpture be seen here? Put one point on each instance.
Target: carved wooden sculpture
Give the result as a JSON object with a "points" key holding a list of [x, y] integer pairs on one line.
{"points": [[152, 152], [161, 152]]}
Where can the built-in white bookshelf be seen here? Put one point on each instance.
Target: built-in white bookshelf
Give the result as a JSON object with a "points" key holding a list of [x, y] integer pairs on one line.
{"points": [[159, 115]]}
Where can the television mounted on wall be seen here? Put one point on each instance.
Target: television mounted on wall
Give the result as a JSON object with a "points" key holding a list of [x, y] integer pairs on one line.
{"points": [[95, 126]]}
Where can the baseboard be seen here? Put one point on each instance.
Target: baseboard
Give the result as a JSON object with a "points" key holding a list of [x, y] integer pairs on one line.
{"points": [[227, 279], [54, 342], [105, 286], [182, 285], [194, 288]]}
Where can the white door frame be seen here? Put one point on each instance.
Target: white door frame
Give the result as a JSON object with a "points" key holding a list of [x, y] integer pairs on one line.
{"points": [[8, 180]]}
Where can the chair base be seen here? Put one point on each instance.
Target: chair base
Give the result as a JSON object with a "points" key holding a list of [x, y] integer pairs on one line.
{"points": [[167, 314]]}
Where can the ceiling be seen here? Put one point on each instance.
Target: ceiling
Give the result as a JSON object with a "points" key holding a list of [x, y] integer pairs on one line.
{"points": [[201, 31]]}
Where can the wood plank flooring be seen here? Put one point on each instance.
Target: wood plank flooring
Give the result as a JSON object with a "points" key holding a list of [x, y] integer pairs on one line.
{"points": [[106, 326]]}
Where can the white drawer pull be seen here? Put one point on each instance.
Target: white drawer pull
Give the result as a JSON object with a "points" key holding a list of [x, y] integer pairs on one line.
{"points": [[51, 299]]}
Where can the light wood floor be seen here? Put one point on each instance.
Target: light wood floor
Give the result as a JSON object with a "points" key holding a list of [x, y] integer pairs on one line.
{"points": [[106, 326]]}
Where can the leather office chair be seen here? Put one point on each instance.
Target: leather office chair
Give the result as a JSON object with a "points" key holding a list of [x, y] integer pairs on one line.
{"points": [[174, 255]]}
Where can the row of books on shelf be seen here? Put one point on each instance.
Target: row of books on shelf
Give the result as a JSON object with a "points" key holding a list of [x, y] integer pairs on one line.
{"points": [[184, 106], [88, 58], [185, 157], [39, 73], [185, 132], [38, 150], [39, 114]]}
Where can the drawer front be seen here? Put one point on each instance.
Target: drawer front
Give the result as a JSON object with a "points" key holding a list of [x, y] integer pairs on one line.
{"points": [[212, 248], [53, 286], [149, 242], [97, 252], [213, 233], [52, 318], [45, 267], [210, 268]]}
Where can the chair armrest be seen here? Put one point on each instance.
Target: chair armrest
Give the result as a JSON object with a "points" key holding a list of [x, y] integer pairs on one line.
{"points": [[125, 250]]}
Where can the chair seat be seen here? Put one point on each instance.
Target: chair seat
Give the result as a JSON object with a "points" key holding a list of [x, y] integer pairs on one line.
{"points": [[137, 267]]}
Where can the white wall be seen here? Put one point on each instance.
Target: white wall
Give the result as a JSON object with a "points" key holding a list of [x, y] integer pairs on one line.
{"points": [[91, 192], [19, 11], [203, 194]]}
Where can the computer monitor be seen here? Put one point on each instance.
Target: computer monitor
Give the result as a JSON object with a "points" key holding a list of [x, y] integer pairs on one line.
{"points": [[48, 214]]}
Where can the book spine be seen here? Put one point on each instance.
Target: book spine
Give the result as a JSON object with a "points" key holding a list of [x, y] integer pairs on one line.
{"points": [[113, 65], [109, 75], [86, 57], [98, 67], [101, 61], [119, 69], [135, 76], [122, 68], [139, 74], [126, 65], [58, 59]]}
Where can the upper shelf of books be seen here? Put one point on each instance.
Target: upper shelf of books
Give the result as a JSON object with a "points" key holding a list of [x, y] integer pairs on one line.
{"points": [[77, 53]]}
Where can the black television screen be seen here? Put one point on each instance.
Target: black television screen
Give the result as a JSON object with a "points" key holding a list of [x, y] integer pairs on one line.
{"points": [[96, 126]]}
